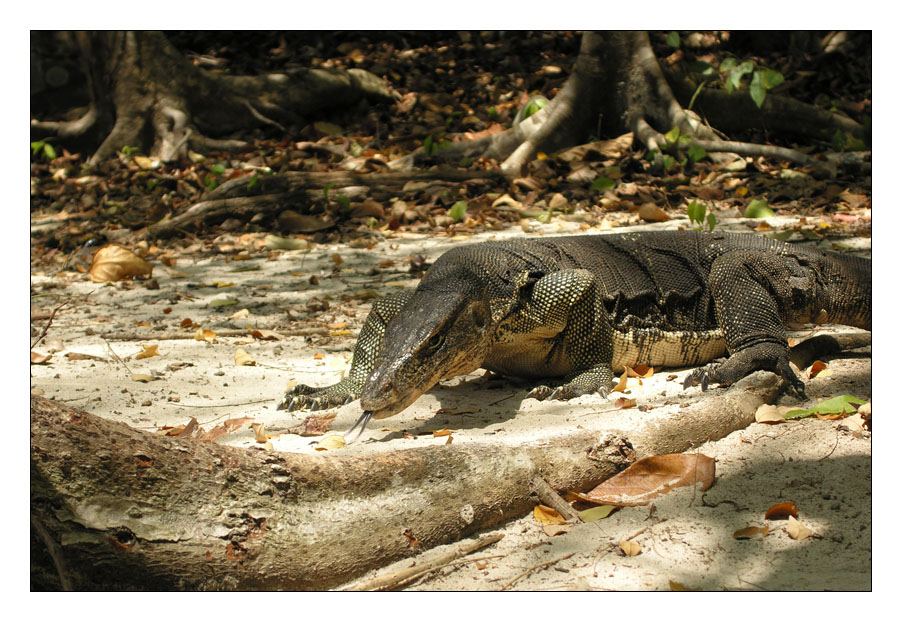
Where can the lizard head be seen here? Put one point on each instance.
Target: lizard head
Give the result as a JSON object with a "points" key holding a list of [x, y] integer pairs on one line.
{"points": [[444, 330]]}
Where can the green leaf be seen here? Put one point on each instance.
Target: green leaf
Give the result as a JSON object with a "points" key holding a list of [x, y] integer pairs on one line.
{"points": [[253, 182], [757, 89], [209, 182], [706, 70], [712, 220], [757, 208], [728, 64], [696, 211], [602, 183], [672, 136], [669, 162], [217, 169], [223, 302], [458, 210], [596, 513], [696, 153], [839, 405], [492, 112], [533, 106], [37, 146], [49, 152], [356, 149], [428, 146], [344, 201], [734, 80], [673, 39], [782, 235], [326, 190], [772, 78]]}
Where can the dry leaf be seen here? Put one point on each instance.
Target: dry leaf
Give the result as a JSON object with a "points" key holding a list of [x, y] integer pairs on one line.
{"points": [[747, 533], [630, 548], [652, 213], [651, 477], [624, 402], [816, 368], [797, 531], [243, 358], [768, 413], [679, 587], [142, 377], [115, 263], [205, 334], [259, 432], [555, 530], [442, 432], [78, 356], [226, 427], [641, 371], [782, 510], [148, 352], [266, 335], [240, 315], [547, 515], [621, 386], [333, 441], [39, 359]]}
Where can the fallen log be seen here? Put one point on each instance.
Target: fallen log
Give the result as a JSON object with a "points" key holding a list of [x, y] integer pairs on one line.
{"points": [[116, 508]]}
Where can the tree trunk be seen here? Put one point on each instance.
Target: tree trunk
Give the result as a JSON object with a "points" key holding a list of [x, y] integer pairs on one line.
{"points": [[145, 94], [116, 508], [617, 86]]}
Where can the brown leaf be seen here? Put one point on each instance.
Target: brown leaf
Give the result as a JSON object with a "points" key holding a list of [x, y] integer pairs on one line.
{"points": [[747, 533], [782, 510], [78, 356], [621, 385], [816, 368], [259, 432], [625, 402], [442, 432], [547, 515], [148, 352], [630, 548], [556, 530], [116, 263], [652, 213], [226, 427], [39, 359], [797, 531], [653, 476]]}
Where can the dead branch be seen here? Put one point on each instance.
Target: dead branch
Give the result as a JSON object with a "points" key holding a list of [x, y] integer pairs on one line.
{"points": [[427, 563]]}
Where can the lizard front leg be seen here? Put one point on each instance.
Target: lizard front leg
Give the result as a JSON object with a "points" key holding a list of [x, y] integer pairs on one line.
{"points": [[369, 344]]}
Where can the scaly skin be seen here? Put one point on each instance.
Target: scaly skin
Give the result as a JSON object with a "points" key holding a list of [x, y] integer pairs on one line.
{"points": [[570, 311]]}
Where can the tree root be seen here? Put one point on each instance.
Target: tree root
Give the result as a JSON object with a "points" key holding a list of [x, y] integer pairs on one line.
{"points": [[644, 100], [133, 510], [145, 94]]}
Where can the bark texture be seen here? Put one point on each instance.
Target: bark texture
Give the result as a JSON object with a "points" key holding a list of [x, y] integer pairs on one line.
{"points": [[116, 508]]}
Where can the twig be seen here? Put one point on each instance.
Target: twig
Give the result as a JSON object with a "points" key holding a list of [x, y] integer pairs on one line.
{"points": [[49, 322], [549, 497], [55, 552], [534, 568], [237, 332], [459, 562], [399, 577]]}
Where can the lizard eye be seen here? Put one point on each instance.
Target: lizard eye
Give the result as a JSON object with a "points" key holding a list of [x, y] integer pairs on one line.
{"points": [[435, 342]]}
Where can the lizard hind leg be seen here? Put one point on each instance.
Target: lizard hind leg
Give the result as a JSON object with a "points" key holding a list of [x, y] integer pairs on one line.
{"points": [[754, 293]]}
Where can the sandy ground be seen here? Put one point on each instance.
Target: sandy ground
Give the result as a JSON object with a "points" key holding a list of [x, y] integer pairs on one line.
{"points": [[686, 538]]}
